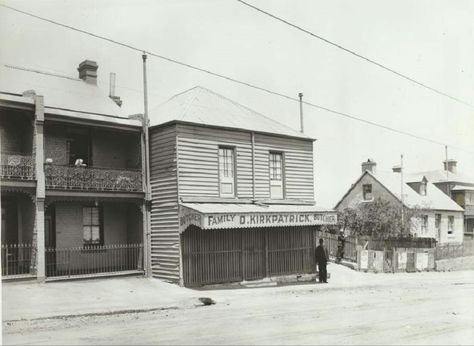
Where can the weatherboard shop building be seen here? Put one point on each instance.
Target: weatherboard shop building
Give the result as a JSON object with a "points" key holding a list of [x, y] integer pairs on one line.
{"points": [[232, 193]]}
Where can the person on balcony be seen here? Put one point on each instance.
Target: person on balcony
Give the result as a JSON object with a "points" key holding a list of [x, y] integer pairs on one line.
{"points": [[79, 163]]}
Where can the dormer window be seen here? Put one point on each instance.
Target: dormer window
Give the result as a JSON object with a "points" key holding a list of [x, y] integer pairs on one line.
{"points": [[423, 188]]}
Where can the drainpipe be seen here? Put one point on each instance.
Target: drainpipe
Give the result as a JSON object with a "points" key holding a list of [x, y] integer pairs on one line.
{"points": [[147, 206]]}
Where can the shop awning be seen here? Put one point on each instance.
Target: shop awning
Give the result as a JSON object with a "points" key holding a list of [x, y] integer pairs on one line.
{"points": [[228, 215]]}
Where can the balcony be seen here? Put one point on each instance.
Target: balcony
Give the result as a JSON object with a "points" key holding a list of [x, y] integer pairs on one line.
{"points": [[17, 166], [92, 179]]}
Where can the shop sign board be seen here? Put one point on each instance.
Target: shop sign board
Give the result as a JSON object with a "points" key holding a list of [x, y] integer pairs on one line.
{"points": [[251, 220]]}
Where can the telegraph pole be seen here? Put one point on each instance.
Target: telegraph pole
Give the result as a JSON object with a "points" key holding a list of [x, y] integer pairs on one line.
{"points": [[448, 189], [146, 224], [401, 190]]}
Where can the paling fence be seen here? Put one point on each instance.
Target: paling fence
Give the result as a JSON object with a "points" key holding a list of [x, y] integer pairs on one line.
{"points": [[16, 260], [94, 260], [331, 242]]}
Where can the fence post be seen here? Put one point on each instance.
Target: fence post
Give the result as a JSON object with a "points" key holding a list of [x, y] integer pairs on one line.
{"points": [[7, 264], [69, 263]]}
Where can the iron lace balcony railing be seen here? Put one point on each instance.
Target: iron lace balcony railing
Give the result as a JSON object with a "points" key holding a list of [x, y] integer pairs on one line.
{"points": [[92, 178], [16, 166]]}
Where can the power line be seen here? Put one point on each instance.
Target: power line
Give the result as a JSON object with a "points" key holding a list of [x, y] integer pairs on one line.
{"points": [[347, 50], [253, 86]]}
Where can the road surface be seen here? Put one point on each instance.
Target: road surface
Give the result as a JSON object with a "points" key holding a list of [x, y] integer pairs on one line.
{"points": [[418, 308]]}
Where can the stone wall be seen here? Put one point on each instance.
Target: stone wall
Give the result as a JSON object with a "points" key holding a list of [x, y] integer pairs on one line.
{"points": [[459, 263]]}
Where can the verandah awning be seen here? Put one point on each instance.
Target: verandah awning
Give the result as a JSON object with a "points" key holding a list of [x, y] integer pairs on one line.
{"points": [[228, 215]]}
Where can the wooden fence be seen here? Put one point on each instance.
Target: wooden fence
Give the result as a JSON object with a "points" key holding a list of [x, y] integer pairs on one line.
{"points": [[331, 242], [220, 256], [396, 243]]}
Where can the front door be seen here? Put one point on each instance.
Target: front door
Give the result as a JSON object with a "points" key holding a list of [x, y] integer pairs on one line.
{"points": [[9, 221], [50, 241], [253, 253]]}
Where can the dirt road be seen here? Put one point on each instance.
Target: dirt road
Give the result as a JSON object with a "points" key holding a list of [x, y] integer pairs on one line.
{"points": [[428, 308]]}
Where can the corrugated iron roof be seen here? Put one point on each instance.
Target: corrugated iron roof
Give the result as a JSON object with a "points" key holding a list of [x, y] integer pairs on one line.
{"points": [[230, 208], [60, 92], [205, 107], [434, 198]]}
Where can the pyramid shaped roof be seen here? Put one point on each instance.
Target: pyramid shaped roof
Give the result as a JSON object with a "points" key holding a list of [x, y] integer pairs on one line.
{"points": [[205, 107]]}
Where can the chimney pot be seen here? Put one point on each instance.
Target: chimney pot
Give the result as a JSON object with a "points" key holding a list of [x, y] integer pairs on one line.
{"points": [[369, 165], [450, 165], [88, 71]]}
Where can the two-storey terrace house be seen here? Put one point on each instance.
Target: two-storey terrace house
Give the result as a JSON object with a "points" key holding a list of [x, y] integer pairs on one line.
{"points": [[456, 185], [232, 193], [72, 197]]}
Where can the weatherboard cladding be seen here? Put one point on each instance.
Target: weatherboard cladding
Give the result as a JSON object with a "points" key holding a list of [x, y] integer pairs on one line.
{"points": [[184, 163], [164, 210], [298, 166], [198, 163], [198, 160]]}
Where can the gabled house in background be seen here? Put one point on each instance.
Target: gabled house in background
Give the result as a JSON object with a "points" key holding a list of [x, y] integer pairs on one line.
{"points": [[72, 194], [232, 193], [457, 186], [440, 217]]}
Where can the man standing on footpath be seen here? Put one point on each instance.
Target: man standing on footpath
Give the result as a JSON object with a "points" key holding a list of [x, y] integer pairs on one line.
{"points": [[322, 258]]}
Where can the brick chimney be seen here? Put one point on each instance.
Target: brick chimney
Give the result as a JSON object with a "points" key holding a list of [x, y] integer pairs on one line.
{"points": [[369, 165], [450, 165], [88, 71]]}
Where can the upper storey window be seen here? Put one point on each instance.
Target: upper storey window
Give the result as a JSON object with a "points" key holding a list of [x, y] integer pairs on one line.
{"points": [[276, 176], [226, 172]]}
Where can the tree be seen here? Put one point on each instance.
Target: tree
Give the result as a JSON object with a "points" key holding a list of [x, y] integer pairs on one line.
{"points": [[379, 218]]}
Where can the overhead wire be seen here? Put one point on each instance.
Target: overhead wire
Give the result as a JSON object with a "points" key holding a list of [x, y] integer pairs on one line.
{"points": [[358, 55], [236, 81]]}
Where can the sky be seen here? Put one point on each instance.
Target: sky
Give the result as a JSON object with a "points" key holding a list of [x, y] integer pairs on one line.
{"points": [[429, 40]]}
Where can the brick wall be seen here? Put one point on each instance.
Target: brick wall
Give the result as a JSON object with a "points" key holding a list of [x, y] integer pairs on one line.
{"points": [[114, 150], [109, 149], [56, 148], [69, 225], [15, 132], [118, 226]]}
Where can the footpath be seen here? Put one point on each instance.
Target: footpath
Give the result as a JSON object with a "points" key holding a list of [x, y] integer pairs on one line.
{"points": [[29, 300]]}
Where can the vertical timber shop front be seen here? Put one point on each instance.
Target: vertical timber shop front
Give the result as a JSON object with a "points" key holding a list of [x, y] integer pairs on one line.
{"points": [[236, 242], [232, 193]]}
